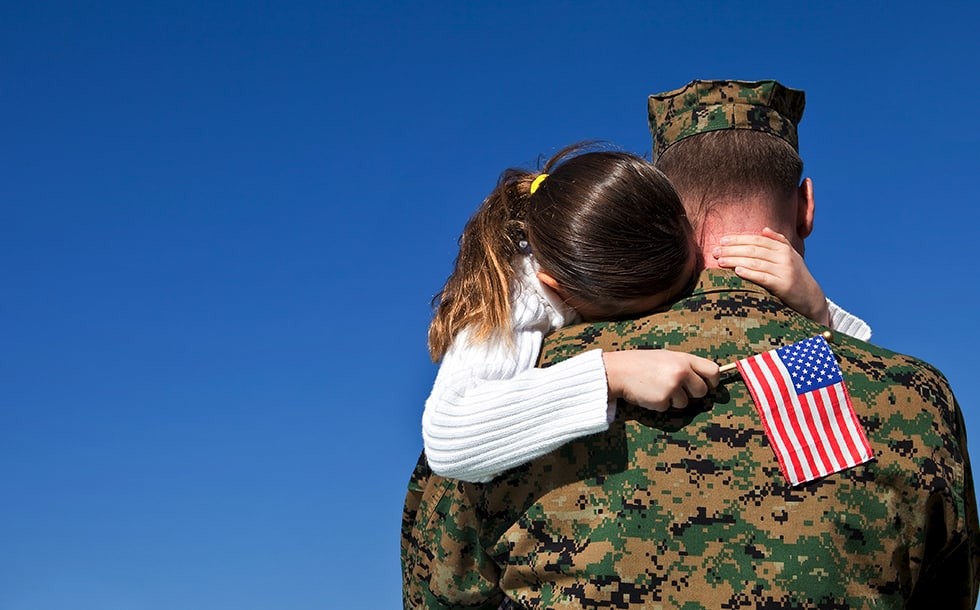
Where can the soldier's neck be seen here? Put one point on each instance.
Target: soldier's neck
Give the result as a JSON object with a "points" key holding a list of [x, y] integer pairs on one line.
{"points": [[735, 221]]}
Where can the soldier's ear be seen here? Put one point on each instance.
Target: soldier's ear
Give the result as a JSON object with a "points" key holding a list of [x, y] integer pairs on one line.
{"points": [[804, 209]]}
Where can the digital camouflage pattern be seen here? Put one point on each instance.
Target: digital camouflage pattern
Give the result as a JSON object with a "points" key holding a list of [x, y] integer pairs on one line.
{"points": [[703, 106], [689, 509]]}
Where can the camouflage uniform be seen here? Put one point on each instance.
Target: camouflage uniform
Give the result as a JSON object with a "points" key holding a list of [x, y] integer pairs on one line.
{"points": [[689, 509], [703, 106]]}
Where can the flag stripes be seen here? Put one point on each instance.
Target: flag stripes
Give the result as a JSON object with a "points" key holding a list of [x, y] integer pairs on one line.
{"points": [[810, 424]]}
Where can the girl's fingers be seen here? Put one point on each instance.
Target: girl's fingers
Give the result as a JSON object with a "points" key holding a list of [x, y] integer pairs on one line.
{"points": [[756, 264], [748, 253], [767, 232], [702, 378], [678, 398], [695, 386], [774, 252], [707, 370], [769, 240], [743, 250], [761, 278]]}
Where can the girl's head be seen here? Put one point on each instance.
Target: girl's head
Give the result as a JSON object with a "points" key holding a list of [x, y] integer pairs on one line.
{"points": [[607, 229]]}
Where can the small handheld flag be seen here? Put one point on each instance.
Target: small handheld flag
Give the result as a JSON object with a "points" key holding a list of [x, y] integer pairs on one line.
{"points": [[800, 395]]}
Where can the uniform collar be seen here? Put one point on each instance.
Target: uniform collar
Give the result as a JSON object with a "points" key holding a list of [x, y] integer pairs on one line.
{"points": [[723, 280]]}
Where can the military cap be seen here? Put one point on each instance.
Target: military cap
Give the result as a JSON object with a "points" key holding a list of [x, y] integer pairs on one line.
{"points": [[710, 105]]}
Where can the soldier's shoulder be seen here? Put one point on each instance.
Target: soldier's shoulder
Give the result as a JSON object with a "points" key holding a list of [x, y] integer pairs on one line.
{"points": [[877, 361], [891, 389]]}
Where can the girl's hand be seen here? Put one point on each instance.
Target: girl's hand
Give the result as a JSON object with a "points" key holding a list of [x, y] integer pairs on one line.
{"points": [[659, 379], [771, 261]]}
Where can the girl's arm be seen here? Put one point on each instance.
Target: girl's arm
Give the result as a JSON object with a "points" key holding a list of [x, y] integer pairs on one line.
{"points": [[771, 261], [490, 409], [848, 323]]}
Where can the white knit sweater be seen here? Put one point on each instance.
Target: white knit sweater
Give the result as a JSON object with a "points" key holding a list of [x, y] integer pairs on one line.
{"points": [[491, 410]]}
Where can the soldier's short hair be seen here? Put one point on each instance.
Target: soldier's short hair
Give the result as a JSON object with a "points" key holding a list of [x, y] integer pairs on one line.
{"points": [[730, 164]]}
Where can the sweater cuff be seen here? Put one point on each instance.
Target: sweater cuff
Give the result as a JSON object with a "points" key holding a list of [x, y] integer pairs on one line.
{"points": [[847, 323]]}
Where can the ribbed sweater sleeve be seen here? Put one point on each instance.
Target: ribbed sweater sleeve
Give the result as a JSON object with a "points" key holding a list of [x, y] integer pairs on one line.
{"points": [[848, 323], [490, 409]]}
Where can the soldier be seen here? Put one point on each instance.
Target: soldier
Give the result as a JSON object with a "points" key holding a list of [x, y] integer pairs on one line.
{"points": [[691, 509]]}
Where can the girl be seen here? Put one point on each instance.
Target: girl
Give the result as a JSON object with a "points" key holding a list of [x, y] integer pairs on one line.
{"points": [[595, 236]]}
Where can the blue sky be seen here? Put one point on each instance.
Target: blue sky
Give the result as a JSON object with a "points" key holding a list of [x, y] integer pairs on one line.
{"points": [[223, 224]]}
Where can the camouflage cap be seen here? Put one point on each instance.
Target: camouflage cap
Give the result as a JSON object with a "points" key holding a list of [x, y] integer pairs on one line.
{"points": [[709, 105]]}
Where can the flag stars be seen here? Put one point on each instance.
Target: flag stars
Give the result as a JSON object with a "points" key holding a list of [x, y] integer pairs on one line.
{"points": [[810, 363]]}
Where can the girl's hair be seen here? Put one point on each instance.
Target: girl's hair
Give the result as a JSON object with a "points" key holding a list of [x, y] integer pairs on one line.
{"points": [[607, 225]]}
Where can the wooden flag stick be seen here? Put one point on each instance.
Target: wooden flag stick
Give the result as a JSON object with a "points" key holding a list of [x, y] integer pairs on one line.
{"points": [[731, 366], [727, 368]]}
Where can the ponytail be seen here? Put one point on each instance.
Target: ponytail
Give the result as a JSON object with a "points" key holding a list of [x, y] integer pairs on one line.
{"points": [[607, 226], [477, 294]]}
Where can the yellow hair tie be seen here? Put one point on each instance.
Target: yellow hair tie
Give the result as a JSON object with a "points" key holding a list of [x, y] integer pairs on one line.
{"points": [[537, 182]]}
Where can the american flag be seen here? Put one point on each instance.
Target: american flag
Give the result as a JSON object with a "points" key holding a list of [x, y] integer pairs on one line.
{"points": [[800, 395]]}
